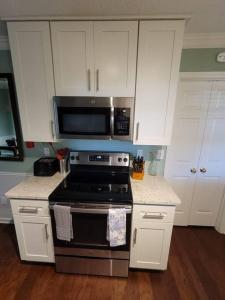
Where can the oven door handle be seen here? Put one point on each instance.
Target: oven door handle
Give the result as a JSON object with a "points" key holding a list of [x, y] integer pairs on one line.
{"points": [[103, 211]]}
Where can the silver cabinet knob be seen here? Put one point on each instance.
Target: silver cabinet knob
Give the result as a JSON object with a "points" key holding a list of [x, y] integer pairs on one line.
{"points": [[203, 170], [193, 170]]}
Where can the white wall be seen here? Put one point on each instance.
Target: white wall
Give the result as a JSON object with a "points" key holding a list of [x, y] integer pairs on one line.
{"points": [[7, 181]]}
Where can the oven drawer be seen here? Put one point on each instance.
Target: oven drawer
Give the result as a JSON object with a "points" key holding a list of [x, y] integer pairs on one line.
{"points": [[30, 208], [153, 213], [92, 266]]}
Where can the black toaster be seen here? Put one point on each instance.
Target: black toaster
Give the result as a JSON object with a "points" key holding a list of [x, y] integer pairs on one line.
{"points": [[46, 166]]}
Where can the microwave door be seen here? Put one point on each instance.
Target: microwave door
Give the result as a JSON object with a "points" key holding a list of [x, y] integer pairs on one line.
{"points": [[84, 122]]}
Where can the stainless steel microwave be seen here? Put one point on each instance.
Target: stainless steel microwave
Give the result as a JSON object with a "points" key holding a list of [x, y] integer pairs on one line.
{"points": [[94, 117]]}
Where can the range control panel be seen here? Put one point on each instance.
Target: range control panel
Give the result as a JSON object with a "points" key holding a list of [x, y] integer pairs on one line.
{"points": [[121, 159]]}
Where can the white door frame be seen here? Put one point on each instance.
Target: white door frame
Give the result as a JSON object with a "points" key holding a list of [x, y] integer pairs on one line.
{"points": [[209, 76]]}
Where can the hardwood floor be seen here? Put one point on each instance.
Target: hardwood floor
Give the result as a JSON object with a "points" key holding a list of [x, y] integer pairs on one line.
{"points": [[196, 270]]}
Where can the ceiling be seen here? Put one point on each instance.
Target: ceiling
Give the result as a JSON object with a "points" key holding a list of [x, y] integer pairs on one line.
{"points": [[208, 16]]}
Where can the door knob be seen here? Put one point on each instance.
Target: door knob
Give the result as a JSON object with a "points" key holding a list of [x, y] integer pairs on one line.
{"points": [[203, 170], [193, 170]]}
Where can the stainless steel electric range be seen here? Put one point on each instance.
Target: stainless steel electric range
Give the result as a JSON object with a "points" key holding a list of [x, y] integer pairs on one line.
{"points": [[97, 181]]}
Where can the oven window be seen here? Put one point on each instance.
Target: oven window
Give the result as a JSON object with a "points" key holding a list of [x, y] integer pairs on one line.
{"points": [[90, 232], [82, 121]]}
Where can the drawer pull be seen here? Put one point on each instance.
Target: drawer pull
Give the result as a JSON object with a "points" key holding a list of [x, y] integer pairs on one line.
{"points": [[158, 216], [24, 210]]}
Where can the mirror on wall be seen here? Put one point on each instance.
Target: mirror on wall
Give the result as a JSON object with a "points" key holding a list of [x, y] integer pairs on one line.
{"points": [[10, 132]]}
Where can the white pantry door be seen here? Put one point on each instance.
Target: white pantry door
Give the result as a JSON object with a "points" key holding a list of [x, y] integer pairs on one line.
{"points": [[210, 182], [183, 154], [72, 47], [115, 46]]}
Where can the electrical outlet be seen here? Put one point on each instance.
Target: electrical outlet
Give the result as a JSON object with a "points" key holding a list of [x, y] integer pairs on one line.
{"points": [[160, 154], [46, 151], [140, 152]]}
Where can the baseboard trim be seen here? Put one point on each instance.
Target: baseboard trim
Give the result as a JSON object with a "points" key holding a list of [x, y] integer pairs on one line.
{"points": [[6, 220]]}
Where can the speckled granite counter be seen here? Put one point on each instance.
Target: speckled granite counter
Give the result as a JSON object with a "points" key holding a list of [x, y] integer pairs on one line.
{"points": [[153, 190], [35, 187]]}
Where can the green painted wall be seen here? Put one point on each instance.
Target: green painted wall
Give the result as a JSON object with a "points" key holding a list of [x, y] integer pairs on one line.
{"points": [[201, 60]]}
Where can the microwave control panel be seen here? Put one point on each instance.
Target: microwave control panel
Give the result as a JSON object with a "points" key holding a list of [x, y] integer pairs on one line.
{"points": [[121, 121]]}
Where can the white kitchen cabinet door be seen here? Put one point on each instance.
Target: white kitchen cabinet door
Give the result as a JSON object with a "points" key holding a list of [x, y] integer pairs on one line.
{"points": [[210, 183], [73, 53], [32, 64], [159, 52], [150, 245], [183, 154], [34, 236], [115, 46]]}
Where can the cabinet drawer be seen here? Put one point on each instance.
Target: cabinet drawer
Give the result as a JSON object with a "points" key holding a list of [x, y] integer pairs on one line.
{"points": [[30, 207], [153, 213]]}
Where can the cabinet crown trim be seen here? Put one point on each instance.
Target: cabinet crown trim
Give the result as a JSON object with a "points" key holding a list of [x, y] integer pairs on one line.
{"points": [[99, 18]]}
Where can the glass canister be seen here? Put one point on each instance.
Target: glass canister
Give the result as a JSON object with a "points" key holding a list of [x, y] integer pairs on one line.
{"points": [[154, 164]]}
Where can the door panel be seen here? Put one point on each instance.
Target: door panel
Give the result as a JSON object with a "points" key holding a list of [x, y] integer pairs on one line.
{"points": [[32, 63], [156, 238], [210, 184], [184, 152], [159, 50], [34, 235], [72, 46], [115, 44]]}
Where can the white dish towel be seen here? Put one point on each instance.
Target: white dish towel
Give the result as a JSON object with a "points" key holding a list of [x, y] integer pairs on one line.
{"points": [[116, 227], [63, 220]]}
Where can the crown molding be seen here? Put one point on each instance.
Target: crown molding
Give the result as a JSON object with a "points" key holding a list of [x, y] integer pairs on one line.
{"points": [[204, 40], [122, 17], [4, 42]]}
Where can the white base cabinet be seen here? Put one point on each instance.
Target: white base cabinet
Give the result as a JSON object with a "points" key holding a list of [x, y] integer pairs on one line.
{"points": [[33, 230], [152, 227]]}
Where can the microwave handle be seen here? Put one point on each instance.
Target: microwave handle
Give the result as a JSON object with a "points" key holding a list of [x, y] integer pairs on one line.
{"points": [[102, 211], [112, 119]]}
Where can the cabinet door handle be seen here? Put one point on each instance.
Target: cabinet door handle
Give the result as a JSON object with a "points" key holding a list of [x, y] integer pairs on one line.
{"points": [[193, 170], [154, 216], [137, 131], [25, 210], [135, 236], [46, 232], [89, 79], [97, 79], [52, 129], [203, 170]]}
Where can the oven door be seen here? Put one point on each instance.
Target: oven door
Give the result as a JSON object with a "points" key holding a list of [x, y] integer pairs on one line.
{"points": [[78, 117], [90, 228]]}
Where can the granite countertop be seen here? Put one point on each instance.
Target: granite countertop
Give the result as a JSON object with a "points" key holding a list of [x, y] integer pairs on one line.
{"points": [[153, 190], [35, 187]]}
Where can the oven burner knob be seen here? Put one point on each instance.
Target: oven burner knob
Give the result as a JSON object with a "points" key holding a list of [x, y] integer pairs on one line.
{"points": [[72, 157], [77, 157], [125, 159], [119, 159]]}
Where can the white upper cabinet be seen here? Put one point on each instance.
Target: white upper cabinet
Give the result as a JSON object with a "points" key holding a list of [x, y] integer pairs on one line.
{"points": [[115, 47], [72, 47], [159, 52], [94, 58], [32, 63]]}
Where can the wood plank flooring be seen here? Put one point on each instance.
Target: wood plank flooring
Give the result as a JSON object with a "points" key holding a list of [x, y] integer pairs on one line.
{"points": [[196, 270]]}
